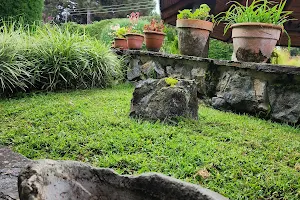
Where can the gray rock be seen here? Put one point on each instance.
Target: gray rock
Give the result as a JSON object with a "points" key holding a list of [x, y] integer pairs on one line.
{"points": [[11, 164], [285, 103], [48, 180], [156, 100], [153, 69], [134, 71], [241, 93]]}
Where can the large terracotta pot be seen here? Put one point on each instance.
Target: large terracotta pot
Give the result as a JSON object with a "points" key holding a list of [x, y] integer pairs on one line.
{"points": [[193, 36], [134, 40], [254, 42], [154, 40], [120, 43]]}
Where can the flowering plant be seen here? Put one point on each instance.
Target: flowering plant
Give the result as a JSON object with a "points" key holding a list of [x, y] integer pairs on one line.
{"points": [[134, 19], [154, 26]]}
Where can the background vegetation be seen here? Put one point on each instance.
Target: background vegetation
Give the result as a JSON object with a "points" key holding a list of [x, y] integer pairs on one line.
{"points": [[240, 157], [30, 11]]}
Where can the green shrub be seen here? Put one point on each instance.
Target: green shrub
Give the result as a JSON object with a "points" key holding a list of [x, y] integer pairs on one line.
{"points": [[220, 50], [70, 60], [14, 73], [283, 57], [54, 59], [30, 11]]}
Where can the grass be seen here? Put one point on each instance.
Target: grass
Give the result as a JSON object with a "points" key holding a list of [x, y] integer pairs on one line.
{"points": [[238, 156]]}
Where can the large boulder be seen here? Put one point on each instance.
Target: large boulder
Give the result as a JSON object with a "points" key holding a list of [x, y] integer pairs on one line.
{"points": [[60, 180], [156, 100]]}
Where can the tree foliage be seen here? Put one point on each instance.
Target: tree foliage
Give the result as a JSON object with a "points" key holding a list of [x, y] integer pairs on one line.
{"points": [[30, 11], [99, 9]]}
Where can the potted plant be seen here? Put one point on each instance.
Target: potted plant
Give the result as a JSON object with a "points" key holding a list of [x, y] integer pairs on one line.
{"points": [[119, 39], [134, 38], [154, 35], [256, 28], [194, 29]]}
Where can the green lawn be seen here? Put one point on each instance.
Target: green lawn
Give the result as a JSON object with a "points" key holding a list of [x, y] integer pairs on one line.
{"points": [[245, 157]]}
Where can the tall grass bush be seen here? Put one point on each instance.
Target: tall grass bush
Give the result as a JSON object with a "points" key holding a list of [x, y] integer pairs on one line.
{"points": [[15, 70], [71, 60], [53, 59]]}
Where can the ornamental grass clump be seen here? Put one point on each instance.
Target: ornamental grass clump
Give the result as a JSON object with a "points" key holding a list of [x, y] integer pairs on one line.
{"points": [[49, 58], [69, 60], [15, 70]]}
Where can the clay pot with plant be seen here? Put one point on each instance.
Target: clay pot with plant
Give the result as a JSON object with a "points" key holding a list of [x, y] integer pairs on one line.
{"points": [[120, 41], [134, 38], [194, 29], [256, 28], [154, 35]]}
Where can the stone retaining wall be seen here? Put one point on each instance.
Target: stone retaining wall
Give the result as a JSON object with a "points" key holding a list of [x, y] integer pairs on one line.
{"points": [[265, 90]]}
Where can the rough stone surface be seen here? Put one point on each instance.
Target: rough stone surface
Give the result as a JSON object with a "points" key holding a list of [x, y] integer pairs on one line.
{"points": [[261, 89], [48, 180], [241, 93], [154, 99], [10, 166], [285, 104]]}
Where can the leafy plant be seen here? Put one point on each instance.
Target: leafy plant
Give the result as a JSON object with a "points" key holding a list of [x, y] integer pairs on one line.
{"points": [[261, 11], [185, 14], [118, 31], [155, 26], [283, 57], [202, 13]]}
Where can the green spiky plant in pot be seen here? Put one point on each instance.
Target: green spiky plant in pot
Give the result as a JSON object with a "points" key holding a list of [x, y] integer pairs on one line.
{"points": [[256, 28]]}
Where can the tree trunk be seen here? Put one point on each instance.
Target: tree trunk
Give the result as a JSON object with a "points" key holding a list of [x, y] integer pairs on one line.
{"points": [[88, 16]]}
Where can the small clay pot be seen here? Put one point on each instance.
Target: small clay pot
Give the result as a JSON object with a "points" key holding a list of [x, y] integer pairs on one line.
{"points": [[254, 42], [134, 41], [193, 36], [120, 43], [154, 40]]}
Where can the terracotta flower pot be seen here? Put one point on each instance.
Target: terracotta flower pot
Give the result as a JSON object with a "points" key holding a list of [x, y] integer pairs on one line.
{"points": [[154, 40], [254, 42], [120, 43], [193, 36], [134, 40]]}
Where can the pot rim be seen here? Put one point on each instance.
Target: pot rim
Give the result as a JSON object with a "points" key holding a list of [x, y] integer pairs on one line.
{"points": [[262, 25], [199, 24], [155, 32], [116, 38], [134, 34]]}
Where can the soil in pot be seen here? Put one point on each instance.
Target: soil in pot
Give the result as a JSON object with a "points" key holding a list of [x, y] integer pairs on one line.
{"points": [[193, 36], [154, 40], [134, 41], [120, 43], [254, 42]]}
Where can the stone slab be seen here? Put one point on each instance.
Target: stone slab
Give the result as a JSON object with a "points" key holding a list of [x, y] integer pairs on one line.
{"points": [[11, 164], [48, 180]]}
